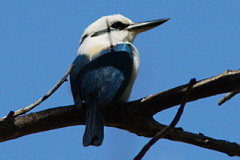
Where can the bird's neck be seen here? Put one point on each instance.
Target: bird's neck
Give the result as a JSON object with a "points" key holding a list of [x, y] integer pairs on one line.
{"points": [[92, 50]]}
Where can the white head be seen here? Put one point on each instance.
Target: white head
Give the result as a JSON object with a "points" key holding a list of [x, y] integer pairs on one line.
{"points": [[111, 30]]}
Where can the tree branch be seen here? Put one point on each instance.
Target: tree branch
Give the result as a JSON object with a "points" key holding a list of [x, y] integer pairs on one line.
{"points": [[39, 101], [227, 97], [228, 81], [136, 116], [174, 122]]}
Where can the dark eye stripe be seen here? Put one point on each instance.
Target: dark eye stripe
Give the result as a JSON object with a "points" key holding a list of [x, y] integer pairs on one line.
{"points": [[93, 35], [99, 32], [114, 26], [84, 37]]}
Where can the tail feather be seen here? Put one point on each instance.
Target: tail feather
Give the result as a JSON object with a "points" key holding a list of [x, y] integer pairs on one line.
{"points": [[93, 134]]}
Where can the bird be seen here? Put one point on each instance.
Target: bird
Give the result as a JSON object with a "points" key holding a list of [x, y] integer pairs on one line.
{"points": [[105, 69]]}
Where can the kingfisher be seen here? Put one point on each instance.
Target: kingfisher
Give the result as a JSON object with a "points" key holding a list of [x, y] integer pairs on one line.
{"points": [[105, 69]]}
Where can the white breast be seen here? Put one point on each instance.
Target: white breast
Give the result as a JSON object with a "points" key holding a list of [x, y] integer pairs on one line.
{"points": [[136, 62]]}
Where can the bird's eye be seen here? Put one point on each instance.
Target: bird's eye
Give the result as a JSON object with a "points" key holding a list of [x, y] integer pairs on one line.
{"points": [[119, 25]]}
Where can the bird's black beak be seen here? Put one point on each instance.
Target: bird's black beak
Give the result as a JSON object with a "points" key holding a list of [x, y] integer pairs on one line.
{"points": [[144, 26]]}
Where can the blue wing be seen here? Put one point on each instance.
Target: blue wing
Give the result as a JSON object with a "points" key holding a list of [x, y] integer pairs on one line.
{"points": [[105, 77], [79, 63], [102, 85], [98, 87], [100, 82]]}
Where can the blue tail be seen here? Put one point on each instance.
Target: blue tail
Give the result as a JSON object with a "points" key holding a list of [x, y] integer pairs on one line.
{"points": [[93, 134]]}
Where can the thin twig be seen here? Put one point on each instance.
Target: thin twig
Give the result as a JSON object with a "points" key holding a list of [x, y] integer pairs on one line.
{"points": [[163, 132], [39, 101], [227, 97]]}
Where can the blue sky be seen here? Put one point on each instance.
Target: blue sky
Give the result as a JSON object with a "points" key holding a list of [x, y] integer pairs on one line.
{"points": [[39, 40]]}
